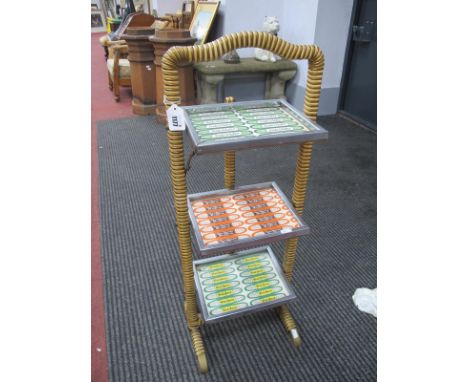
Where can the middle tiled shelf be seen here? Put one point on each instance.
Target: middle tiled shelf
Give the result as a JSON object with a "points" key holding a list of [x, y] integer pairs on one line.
{"points": [[229, 220]]}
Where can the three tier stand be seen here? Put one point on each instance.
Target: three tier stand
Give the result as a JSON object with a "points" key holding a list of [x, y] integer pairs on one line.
{"points": [[237, 224]]}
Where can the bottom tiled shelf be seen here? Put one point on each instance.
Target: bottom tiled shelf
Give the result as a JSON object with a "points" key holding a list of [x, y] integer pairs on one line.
{"points": [[247, 281]]}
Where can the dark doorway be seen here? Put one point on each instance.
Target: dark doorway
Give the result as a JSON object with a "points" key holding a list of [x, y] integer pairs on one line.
{"points": [[358, 97]]}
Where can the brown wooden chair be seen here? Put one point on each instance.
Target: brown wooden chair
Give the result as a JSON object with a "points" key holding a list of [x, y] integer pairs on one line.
{"points": [[118, 67], [138, 19]]}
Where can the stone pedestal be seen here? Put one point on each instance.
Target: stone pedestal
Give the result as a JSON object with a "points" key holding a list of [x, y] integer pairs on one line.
{"points": [[211, 74], [162, 41], [142, 71]]}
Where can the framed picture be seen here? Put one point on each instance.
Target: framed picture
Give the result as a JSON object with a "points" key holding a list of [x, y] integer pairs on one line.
{"points": [[202, 20], [98, 21], [188, 6]]}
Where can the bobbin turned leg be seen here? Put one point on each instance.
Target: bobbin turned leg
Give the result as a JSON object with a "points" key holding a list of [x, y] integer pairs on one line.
{"points": [[229, 162], [298, 198], [229, 169], [176, 154]]}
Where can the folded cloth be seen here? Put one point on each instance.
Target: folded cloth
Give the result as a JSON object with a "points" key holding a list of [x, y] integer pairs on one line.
{"points": [[366, 300]]}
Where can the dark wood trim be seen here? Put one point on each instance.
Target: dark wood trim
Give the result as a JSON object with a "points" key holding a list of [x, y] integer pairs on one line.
{"points": [[349, 53]]}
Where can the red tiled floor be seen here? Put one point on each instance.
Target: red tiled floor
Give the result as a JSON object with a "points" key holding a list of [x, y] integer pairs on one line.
{"points": [[103, 107]]}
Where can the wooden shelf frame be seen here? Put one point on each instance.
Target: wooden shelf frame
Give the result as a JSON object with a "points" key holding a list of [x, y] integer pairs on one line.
{"points": [[208, 52]]}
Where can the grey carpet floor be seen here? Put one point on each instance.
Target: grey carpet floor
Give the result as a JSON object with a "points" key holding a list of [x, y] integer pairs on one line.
{"points": [[146, 332]]}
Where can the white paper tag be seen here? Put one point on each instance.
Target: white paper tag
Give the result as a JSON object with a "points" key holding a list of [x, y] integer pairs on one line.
{"points": [[175, 118]]}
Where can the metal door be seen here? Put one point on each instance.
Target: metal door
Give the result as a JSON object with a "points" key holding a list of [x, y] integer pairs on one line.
{"points": [[358, 98]]}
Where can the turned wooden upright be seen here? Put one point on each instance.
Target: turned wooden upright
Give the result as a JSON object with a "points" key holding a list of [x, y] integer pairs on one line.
{"points": [[142, 70], [162, 41]]}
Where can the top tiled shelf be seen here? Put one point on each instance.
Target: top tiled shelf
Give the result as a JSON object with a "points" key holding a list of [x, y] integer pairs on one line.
{"points": [[244, 125]]}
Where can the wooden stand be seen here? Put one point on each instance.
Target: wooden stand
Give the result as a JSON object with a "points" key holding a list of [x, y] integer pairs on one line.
{"points": [[162, 41], [141, 57], [209, 52]]}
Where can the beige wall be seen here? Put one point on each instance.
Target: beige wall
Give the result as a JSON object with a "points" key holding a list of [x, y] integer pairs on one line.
{"points": [[167, 6]]}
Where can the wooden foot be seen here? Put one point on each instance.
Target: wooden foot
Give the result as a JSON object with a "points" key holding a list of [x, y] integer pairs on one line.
{"points": [[116, 92], [199, 349], [109, 81], [294, 337], [202, 363], [116, 83], [290, 325]]}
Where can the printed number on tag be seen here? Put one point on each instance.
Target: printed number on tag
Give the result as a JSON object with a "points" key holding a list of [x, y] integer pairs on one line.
{"points": [[175, 118]]}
